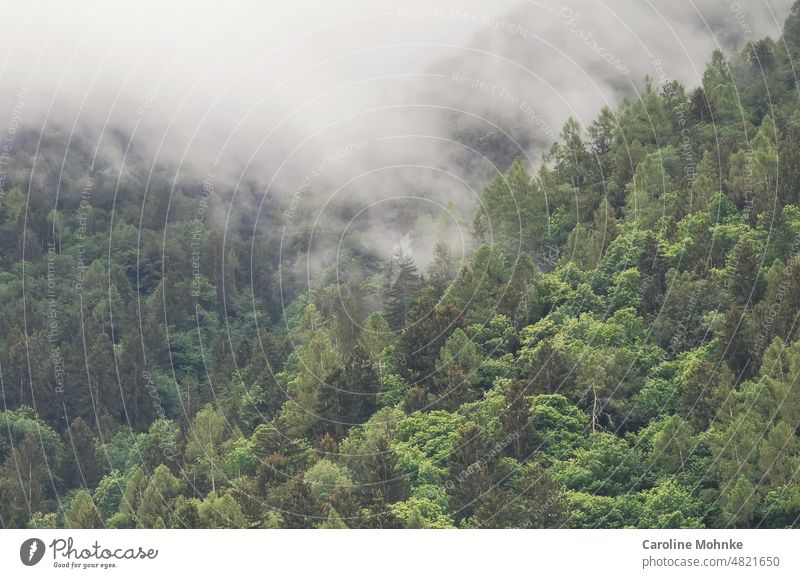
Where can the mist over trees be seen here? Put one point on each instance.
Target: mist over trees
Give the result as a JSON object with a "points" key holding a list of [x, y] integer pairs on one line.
{"points": [[616, 347]]}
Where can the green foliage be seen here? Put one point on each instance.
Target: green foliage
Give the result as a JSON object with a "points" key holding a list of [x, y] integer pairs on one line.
{"points": [[82, 512], [608, 466], [333, 521], [220, 512], [615, 348]]}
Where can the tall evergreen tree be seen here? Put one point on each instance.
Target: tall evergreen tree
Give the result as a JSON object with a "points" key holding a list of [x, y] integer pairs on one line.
{"points": [[401, 284]]}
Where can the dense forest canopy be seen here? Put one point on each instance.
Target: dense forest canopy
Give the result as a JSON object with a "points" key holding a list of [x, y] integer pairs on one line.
{"points": [[617, 347]]}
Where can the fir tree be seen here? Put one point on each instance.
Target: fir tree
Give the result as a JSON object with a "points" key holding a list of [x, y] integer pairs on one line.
{"points": [[400, 286]]}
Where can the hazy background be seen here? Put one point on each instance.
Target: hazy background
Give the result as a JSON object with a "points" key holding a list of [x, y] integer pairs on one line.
{"points": [[370, 104]]}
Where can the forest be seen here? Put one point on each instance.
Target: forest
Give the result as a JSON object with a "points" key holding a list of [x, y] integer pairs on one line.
{"points": [[618, 348]]}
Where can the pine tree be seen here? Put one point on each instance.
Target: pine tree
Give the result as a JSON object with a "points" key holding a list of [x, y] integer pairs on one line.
{"points": [[441, 270], [82, 512], [384, 481], [457, 371], [605, 223], [299, 508], [136, 388], [479, 229], [186, 515], [204, 446], [420, 343], [791, 28], [349, 397], [516, 420], [103, 383], [653, 267], [378, 515], [739, 502], [333, 521], [400, 286], [24, 481], [375, 338], [220, 512], [551, 372], [82, 468], [156, 504], [736, 341], [469, 475]]}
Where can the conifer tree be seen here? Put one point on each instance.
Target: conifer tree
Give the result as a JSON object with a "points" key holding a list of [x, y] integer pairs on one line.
{"points": [[401, 284]]}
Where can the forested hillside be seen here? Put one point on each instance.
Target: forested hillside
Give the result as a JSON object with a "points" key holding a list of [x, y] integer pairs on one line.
{"points": [[619, 348]]}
